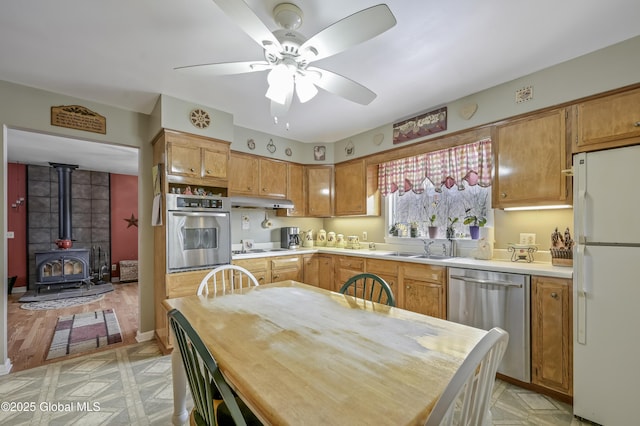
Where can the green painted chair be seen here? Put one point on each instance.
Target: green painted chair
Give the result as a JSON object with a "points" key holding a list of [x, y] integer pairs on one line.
{"points": [[214, 401], [369, 287]]}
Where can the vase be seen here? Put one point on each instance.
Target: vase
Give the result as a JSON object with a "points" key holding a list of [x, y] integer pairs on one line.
{"points": [[474, 230], [433, 232]]}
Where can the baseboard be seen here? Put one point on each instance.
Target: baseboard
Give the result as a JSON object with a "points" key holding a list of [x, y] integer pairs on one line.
{"points": [[145, 337], [6, 368]]}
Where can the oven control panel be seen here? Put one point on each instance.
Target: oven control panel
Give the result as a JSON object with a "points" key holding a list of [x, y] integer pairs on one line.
{"points": [[197, 202]]}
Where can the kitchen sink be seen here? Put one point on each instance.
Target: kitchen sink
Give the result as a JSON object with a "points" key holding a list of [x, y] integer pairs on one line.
{"points": [[401, 254], [432, 256]]}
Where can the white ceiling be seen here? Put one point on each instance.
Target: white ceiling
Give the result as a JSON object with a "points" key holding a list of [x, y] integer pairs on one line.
{"points": [[123, 53]]}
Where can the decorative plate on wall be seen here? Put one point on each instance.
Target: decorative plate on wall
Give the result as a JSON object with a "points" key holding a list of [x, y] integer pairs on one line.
{"points": [[200, 118], [251, 144], [288, 152], [271, 147]]}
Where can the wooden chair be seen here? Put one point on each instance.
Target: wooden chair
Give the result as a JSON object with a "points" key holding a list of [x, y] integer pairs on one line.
{"points": [[466, 399], [230, 277], [213, 399], [369, 287]]}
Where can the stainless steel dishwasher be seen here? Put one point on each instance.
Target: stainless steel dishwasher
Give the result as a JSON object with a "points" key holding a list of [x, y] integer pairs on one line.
{"points": [[485, 299]]}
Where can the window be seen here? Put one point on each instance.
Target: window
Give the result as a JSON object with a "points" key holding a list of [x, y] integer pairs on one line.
{"points": [[443, 207], [444, 188]]}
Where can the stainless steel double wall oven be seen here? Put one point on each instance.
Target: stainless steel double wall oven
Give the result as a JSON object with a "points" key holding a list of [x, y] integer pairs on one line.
{"points": [[198, 232]]}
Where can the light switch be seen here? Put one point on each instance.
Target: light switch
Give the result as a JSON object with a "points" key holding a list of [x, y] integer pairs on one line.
{"points": [[10, 234], [528, 239]]}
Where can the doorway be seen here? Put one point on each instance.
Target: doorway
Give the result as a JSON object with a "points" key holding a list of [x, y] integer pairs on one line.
{"points": [[34, 148]]}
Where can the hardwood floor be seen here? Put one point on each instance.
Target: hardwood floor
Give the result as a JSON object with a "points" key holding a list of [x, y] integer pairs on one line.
{"points": [[29, 333]]}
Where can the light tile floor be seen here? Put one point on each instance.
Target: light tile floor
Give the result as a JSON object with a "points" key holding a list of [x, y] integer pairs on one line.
{"points": [[131, 385]]}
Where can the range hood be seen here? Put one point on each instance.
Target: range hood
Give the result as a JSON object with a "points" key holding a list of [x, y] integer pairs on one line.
{"points": [[258, 202]]}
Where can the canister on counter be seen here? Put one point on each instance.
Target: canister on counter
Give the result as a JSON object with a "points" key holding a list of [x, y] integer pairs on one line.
{"points": [[331, 239], [340, 243]]}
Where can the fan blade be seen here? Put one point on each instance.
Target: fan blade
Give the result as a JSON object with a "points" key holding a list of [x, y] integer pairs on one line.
{"points": [[348, 32], [248, 21], [344, 87], [225, 68]]}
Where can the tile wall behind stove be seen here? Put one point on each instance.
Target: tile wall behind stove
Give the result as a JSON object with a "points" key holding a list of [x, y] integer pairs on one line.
{"points": [[90, 212]]}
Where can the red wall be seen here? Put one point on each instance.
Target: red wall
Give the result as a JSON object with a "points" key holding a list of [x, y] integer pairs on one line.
{"points": [[17, 223], [124, 203]]}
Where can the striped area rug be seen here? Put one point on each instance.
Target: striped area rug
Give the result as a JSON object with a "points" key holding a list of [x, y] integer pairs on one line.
{"points": [[84, 332]]}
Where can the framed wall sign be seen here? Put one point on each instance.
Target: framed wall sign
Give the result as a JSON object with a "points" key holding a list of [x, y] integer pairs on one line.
{"points": [[420, 126]]}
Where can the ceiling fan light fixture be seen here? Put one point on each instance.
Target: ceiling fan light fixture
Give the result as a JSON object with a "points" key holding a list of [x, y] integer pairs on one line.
{"points": [[280, 83], [288, 16], [305, 89]]}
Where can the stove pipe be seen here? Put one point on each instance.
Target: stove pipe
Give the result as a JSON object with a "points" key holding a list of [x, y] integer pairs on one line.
{"points": [[64, 204]]}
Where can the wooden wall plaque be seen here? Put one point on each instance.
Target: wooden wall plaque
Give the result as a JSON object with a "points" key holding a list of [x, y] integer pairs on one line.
{"points": [[79, 118]]}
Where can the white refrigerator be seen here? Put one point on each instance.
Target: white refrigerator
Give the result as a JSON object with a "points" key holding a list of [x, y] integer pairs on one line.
{"points": [[606, 284]]}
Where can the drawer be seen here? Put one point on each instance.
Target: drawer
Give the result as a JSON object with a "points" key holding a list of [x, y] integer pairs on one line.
{"points": [[184, 283], [256, 264], [377, 267], [352, 263], [425, 272], [286, 262]]}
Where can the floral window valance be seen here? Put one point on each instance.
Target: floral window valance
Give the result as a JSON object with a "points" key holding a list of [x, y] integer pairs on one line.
{"points": [[472, 163]]}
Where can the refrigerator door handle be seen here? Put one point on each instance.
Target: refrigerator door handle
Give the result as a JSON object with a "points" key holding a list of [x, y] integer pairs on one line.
{"points": [[580, 181], [581, 296]]}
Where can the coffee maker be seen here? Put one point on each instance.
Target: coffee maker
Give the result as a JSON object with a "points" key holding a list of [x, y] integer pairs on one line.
{"points": [[289, 237]]}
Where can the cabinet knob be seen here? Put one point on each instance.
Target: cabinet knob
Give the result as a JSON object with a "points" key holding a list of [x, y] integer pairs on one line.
{"points": [[192, 169], [503, 194], [637, 124], [408, 287], [265, 190], [208, 172], [554, 295], [276, 277]]}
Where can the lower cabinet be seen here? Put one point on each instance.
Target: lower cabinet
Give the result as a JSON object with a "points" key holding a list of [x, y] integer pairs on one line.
{"points": [[286, 268], [388, 271], [424, 288], [318, 270], [345, 268], [259, 267], [552, 333]]}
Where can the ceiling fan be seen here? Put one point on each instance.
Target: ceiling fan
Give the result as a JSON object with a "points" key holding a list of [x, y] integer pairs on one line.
{"points": [[287, 53]]}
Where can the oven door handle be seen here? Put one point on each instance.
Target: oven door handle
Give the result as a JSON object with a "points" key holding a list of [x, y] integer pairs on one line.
{"points": [[481, 281], [196, 214]]}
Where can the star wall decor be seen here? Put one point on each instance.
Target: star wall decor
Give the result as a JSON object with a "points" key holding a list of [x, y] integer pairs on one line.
{"points": [[133, 221]]}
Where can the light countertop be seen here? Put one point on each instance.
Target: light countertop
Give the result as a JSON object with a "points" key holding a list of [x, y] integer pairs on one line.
{"points": [[498, 265]]}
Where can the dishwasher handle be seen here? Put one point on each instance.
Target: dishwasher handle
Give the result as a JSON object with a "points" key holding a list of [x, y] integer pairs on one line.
{"points": [[481, 281]]}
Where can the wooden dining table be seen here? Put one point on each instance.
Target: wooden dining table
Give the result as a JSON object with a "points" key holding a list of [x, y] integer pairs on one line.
{"points": [[300, 355]]}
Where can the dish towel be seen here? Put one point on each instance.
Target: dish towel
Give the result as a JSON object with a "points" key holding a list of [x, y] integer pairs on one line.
{"points": [[156, 214]]}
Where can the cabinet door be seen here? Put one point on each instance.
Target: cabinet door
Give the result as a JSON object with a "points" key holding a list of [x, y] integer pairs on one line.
{"points": [[424, 297], [325, 272], [388, 271], [214, 163], [552, 334], [273, 178], [286, 268], [295, 191], [530, 156], [243, 174], [319, 191], [183, 160], [424, 288], [609, 121], [351, 190], [311, 269], [345, 268]]}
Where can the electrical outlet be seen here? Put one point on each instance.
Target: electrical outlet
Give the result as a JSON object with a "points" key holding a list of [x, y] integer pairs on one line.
{"points": [[365, 236], [114, 267]]}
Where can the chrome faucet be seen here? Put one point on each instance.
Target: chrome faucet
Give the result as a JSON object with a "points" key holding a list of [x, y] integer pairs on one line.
{"points": [[427, 246]]}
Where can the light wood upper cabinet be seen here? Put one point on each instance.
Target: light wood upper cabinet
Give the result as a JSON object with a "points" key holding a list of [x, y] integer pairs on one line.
{"points": [[552, 334], [608, 122], [273, 178], [356, 191], [243, 174], [531, 154], [295, 191], [257, 176], [319, 181], [196, 159]]}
